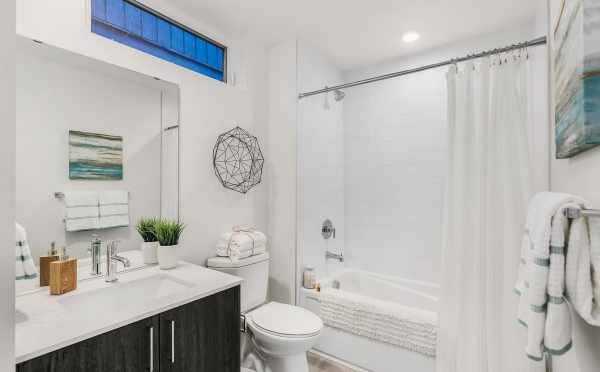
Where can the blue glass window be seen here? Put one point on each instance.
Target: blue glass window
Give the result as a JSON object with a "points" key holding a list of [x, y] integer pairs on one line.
{"points": [[142, 29]]}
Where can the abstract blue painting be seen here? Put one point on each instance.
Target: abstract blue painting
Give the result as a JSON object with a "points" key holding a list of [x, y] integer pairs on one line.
{"points": [[576, 58], [94, 156]]}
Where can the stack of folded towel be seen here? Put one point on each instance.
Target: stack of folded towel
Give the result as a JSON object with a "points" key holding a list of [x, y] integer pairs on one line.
{"points": [[91, 210], [25, 268], [550, 273], [241, 242], [114, 208], [81, 210]]}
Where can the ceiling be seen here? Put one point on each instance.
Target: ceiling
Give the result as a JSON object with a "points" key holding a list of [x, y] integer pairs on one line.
{"points": [[356, 33]]}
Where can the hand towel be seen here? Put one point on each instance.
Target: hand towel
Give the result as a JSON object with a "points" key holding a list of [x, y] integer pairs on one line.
{"points": [[82, 224], [25, 267], [542, 306], [81, 210], [583, 269], [113, 197], [114, 209], [81, 199], [107, 222]]}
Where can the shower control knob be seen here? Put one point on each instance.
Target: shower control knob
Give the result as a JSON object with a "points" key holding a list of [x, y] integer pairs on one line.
{"points": [[327, 230]]}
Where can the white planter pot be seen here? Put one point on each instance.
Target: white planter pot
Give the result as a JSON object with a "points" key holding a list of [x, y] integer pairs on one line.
{"points": [[149, 252], [168, 256]]}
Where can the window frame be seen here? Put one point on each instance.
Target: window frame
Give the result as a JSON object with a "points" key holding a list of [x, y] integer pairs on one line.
{"points": [[185, 28]]}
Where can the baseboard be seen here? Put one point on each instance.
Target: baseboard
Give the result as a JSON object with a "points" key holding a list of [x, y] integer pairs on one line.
{"points": [[334, 360]]}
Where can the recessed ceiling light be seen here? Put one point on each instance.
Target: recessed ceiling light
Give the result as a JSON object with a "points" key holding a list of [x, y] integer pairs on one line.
{"points": [[410, 37]]}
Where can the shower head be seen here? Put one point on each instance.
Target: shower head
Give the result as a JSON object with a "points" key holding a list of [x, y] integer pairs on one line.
{"points": [[338, 95]]}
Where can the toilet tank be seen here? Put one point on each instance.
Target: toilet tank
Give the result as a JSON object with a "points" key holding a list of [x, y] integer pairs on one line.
{"points": [[255, 272]]}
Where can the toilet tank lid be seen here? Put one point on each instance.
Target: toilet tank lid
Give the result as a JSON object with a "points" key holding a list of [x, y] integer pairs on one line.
{"points": [[227, 262]]}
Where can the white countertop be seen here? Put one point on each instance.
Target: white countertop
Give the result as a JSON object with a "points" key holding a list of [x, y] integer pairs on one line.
{"points": [[44, 324]]}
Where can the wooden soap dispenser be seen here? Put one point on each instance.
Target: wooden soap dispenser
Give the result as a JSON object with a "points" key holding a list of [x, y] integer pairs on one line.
{"points": [[45, 264], [63, 274]]}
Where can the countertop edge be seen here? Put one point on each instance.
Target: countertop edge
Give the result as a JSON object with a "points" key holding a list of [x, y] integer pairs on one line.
{"points": [[37, 353]]}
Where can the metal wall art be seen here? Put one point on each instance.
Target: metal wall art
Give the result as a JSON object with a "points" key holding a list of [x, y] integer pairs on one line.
{"points": [[238, 160]]}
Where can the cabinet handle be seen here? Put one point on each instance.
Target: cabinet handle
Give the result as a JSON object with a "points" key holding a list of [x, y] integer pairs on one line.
{"points": [[152, 349], [172, 342]]}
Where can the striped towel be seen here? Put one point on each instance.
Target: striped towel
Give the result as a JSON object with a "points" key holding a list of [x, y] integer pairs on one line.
{"points": [[541, 284], [25, 268]]}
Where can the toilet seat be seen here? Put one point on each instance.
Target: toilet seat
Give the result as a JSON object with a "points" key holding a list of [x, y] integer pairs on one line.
{"points": [[286, 321]]}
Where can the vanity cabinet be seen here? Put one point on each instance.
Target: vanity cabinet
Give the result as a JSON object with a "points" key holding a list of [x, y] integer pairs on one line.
{"points": [[202, 336]]}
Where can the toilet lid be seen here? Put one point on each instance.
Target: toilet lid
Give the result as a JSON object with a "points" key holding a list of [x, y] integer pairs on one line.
{"points": [[286, 320]]}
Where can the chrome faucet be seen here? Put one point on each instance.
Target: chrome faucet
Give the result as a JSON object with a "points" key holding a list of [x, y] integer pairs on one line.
{"points": [[334, 256], [111, 261]]}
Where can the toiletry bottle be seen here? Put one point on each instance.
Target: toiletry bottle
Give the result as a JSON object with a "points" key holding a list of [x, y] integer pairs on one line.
{"points": [[310, 277], [45, 264], [63, 274]]}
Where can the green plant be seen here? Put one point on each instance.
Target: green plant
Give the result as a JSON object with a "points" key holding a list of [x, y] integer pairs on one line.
{"points": [[169, 232], [146, 227]]}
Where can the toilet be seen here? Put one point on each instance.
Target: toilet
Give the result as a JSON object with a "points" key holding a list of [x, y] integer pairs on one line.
{"points": [[281, 333]]}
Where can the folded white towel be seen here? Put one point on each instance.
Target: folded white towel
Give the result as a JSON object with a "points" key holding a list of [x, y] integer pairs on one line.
{"points": [[114, 210], [107, 222], [82, 224], [113, 197], [541, 283], [81, 199], [405, 327], [241, 242], [583, 269], [81, 212], [224, 251], [25, 267]]}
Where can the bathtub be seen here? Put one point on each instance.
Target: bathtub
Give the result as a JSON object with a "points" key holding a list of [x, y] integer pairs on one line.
{"points": [[365, 352]]}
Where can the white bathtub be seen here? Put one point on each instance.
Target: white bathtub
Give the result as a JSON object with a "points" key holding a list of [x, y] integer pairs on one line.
{"points": [[368, 353]]}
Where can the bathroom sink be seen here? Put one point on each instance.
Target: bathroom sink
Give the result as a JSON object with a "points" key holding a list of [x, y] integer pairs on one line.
{"points": [[124, 294]]}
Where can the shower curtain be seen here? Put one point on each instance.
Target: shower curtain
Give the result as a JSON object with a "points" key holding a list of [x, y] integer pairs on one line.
{"points": [[488, 187]]}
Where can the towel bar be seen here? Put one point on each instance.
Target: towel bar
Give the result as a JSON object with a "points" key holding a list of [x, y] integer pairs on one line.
{"points": [[576, 212]]}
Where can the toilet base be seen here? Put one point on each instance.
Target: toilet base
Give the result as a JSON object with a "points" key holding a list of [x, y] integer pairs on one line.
{"points": [[291, 363]]}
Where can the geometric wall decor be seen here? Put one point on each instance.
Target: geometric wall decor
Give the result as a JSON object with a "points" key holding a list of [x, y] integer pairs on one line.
{"points": [[576, 66], [238, 160], [94, 156]]}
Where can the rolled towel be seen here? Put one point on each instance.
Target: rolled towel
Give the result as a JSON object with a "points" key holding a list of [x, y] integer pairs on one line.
{"points": [[223, 251], [25, 267]]}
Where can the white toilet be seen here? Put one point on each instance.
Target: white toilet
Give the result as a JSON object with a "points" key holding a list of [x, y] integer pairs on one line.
{"points": [[281, 333]]}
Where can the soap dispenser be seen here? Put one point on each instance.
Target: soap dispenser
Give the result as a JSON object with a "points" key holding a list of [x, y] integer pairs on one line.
{"points": [[63, 274], [45, 264]]}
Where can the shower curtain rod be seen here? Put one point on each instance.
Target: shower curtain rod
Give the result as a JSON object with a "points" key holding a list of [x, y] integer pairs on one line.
{"points": [[535, 42]]}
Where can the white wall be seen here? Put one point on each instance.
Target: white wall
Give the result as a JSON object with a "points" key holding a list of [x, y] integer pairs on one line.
{"points": [[208, 108], [7, 185], [320, 162], [579, 175], [57, 93], [281, 167], [395, 144]]}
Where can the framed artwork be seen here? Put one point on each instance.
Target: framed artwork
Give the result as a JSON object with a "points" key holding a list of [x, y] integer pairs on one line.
{"points": [[94, 156], [576, 69]]}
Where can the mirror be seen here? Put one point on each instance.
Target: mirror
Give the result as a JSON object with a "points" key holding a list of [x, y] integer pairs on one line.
{"points": [[86, 128]]}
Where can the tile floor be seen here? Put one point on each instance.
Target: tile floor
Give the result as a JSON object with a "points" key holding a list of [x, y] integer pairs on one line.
{"points": [[317, 364]]}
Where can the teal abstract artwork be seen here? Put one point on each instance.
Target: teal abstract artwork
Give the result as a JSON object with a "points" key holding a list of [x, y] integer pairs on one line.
{"points": [[94, 156], [576, 58]]}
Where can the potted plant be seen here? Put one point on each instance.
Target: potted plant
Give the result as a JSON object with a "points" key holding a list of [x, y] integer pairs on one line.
{"points": [[146, 227], [168, 234]]}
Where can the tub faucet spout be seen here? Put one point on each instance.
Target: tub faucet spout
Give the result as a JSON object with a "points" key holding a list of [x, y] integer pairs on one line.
{"points": [[334, 256]]}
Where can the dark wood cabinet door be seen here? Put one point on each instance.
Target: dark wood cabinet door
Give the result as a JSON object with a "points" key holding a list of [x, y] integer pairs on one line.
{"points": [[126, 349], [203, 336]]}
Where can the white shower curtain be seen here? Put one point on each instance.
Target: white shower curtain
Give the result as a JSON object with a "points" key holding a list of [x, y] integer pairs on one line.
{"points": [[488, 187]]}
